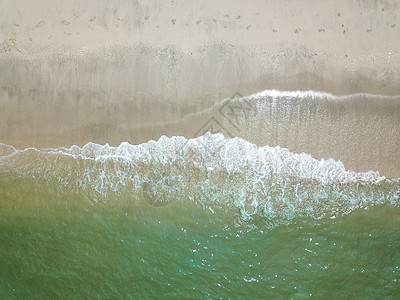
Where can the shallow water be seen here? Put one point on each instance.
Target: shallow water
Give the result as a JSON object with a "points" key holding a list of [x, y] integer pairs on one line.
{"points": [[188, 252], [209, 217]]}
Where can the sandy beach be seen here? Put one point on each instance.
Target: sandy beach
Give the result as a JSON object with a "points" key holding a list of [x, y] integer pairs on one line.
{"points": [[108, 72], [197, 149]]}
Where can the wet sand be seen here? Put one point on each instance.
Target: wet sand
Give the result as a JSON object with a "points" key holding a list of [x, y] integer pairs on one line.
{"points": [[72, 72]]}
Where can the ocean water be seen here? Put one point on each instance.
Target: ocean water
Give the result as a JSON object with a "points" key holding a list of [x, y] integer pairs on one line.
{"points": [[209, 217]]}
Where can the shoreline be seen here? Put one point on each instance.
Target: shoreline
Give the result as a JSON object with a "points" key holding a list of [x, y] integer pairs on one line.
{"points": [[133, 71], [360, 130]]}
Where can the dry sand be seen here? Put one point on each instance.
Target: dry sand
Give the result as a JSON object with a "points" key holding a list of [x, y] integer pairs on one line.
{"points": [[110, 71]]}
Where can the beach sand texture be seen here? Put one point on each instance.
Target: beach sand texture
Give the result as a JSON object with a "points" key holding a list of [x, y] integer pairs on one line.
{"points": [[73, 72]]}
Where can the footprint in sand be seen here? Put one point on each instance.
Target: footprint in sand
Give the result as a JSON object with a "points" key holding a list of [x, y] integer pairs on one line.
{"points": [[238, 17], [297, 30], [65, 22], [226, 16], [321, 30], [40, 24], [369, 30], [215, 20], [120, 19], [393, 25], [339, 14], [146, 17], [274, 30], [173, 21], [198, 22], [345, 31], [248, 27], [92, 19]]}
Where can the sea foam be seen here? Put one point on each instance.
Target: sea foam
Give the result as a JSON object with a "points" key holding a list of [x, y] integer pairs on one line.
{"points": [[212, 170]]}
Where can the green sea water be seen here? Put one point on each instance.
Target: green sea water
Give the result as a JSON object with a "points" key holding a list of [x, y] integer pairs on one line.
{"points": [[190, 252], [89, 223]]}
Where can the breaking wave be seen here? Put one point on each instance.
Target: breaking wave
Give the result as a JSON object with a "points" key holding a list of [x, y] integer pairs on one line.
{"points": [[211, 171]]}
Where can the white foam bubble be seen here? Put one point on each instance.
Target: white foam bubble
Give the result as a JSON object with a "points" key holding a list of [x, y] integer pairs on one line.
{"points": [[312, 94], [215, 152], [213, 170]]}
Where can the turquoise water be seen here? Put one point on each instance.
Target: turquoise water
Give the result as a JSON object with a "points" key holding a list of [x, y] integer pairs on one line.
{"points": [[191, 253], [150, 221]]}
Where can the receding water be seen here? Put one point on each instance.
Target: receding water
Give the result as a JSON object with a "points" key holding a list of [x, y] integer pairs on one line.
{"points": [[204, 218]]}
